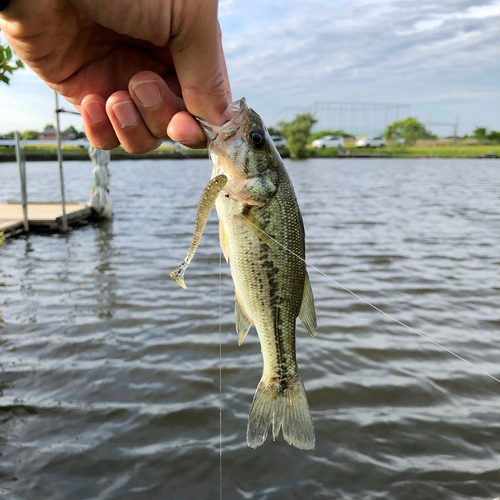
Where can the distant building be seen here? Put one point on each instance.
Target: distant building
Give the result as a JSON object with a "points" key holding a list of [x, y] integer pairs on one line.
{"points": [[51, 135]]}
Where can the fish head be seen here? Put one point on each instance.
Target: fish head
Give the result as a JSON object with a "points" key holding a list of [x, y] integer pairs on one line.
{"points": [[242, 149]]}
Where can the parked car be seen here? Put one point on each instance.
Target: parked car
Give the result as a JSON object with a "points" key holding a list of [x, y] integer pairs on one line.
{"points": [[279, 141], [328, 141], [371, 142]]}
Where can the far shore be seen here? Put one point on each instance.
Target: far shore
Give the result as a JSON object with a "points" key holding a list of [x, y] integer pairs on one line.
{"points": [[75, 153]]}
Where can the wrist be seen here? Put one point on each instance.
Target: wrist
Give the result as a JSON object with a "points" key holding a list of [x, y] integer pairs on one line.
{"points": [[4, 4]]}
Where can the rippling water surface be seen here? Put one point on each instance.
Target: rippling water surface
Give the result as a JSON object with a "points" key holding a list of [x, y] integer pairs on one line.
{"points": [[109, 371]]}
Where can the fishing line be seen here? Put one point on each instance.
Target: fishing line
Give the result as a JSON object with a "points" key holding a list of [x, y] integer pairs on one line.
{"points": [[376, 308], [220, 373]]}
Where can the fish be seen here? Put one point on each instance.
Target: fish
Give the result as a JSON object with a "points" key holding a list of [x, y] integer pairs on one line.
{"points": [[262, 237]]}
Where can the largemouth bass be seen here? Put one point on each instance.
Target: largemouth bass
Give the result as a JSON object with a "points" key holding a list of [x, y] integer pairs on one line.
{"points": [[262, 236]]}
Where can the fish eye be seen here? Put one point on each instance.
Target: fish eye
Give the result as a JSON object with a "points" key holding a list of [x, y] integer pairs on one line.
{"points": [[258, 138]]}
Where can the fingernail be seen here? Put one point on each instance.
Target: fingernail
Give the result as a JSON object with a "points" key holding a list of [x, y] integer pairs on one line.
{"points": [[148, 92], [96, 111], [126, 113]]}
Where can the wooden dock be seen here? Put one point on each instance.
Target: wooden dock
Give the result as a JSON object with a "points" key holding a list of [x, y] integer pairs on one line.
{"points": [[41, 216]]}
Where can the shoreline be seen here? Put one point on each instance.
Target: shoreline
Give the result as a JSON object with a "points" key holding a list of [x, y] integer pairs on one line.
{"points": [[48, 156]]}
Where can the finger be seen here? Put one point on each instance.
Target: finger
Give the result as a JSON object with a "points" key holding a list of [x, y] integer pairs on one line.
{"points": [[222, 60], [156, 102], [128, 124], [96, 122], [195, 49], [183, 128]]}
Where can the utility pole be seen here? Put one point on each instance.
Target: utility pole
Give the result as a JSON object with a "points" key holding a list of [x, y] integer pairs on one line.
{"points": [[22, 180], [61, 174]]}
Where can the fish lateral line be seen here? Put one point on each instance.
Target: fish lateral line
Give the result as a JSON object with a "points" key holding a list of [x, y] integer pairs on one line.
{"points": [[354, 294]]}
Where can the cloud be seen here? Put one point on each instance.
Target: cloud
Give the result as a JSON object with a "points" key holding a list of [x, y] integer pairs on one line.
{"points": [[373, 51]]}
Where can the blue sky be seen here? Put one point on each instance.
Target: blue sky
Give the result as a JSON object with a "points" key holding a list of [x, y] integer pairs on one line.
{"points": [[442, 58]]}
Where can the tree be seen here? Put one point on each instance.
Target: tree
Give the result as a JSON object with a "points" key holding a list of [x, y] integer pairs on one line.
{"points": [[322, 133], [48, 126], [72, 130], [30, 135], [409, 130], [8, 63], [494, 136], [297, 132], [482, 135]]}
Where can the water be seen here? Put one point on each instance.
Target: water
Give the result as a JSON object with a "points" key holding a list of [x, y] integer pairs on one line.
{"points": [[109, 381]]}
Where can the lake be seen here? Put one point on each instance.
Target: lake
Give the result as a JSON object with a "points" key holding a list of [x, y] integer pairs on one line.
{"points": [[110, 372]]}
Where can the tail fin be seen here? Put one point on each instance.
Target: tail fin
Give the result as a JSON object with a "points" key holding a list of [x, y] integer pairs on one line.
{"points": [[178, 274], [285, 408]]}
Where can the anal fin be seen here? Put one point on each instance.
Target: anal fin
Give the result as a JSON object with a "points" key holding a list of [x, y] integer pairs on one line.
{"points": [[243, 322], [223, 241], [307, 314]]}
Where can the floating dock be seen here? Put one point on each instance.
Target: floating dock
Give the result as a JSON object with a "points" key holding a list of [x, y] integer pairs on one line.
{"points": [[17, 218], [41, 216]]}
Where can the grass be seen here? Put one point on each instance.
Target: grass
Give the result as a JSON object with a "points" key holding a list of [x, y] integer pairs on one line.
{"points": [[446, 151], [434, 151], [431, 151], [41, 149]]}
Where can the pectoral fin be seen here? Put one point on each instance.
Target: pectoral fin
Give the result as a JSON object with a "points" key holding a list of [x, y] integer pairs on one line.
{"points": [[307, 314], [254, 225], [243, 323]]}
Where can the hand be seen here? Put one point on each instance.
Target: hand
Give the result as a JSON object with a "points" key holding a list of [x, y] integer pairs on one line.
{"points": [[135, 69]]}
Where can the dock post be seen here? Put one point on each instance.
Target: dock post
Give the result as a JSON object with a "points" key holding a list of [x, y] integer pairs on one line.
{"points": [[59, 158], [22, 181]]}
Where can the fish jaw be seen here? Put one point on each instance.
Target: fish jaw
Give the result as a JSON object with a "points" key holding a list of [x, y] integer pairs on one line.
{"points": [[239, 110]]}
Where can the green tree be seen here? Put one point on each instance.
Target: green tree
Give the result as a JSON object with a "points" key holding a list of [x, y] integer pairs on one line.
{"points": [[10, 135], [409, 130], [297, 132], [482, 135], [494, 136], [30, 135], [48, 126], [76, 133], [322, 133], [8, 63]]}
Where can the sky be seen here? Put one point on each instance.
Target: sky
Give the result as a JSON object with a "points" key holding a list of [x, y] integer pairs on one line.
{"points": [[440, 58]]}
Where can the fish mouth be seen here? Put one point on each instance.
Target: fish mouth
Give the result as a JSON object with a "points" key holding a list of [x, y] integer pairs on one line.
{"points": [[239, 110]]}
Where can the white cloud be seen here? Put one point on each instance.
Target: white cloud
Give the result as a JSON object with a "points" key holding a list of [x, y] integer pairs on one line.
{"points": [[437, 20], [373, 51]]}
